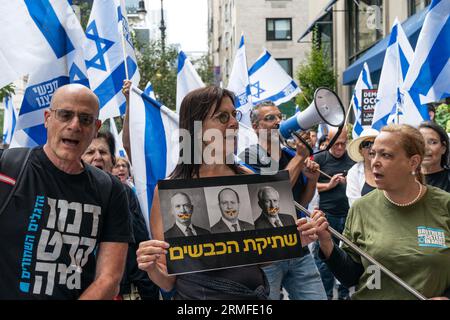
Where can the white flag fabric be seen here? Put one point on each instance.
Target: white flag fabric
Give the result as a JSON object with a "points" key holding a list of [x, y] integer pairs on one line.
{"points": [[390, 96], [105, 54], [428, 78], [67, 38], [269, 81], [364, 82], [149, 90], [187, 78], [154, 145], [239, 83], [9, 120], [31, 35], [120, 150]]}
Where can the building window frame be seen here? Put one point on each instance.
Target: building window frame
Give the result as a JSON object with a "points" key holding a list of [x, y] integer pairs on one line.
{"points": [[412, 6], [354, 37], [290, 70], [271, 35]]}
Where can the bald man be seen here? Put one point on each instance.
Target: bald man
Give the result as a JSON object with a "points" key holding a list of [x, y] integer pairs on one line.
{"points": [[332, 198], [228, 200], [65, 233]]}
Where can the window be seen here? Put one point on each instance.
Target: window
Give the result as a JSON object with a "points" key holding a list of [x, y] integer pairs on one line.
{"points": [[286, 64], [279, 29], [415, 6], [365, 25]]}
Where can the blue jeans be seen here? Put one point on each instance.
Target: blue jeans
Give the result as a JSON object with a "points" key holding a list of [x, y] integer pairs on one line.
{"points": [[337, 223], [298, 276]]}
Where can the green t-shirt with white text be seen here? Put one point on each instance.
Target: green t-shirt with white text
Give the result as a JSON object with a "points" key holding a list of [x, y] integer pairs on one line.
{"points": [[413, 242]]}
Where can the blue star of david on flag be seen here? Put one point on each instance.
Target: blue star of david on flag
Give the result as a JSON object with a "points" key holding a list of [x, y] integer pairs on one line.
{"points": [[102, 44], [258, 88]]}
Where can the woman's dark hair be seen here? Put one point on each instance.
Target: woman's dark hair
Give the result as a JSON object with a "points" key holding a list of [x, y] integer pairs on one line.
{"points": [[443, 136], [322, 139], [109, 139], [195, 107]]}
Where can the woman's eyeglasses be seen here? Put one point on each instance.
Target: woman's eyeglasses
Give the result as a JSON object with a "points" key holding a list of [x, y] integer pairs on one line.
{"points": [[367, 144], [64, 115], [224, 117]]}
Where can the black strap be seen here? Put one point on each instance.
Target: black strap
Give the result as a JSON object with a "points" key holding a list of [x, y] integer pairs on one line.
{"points": [[12, 164]]}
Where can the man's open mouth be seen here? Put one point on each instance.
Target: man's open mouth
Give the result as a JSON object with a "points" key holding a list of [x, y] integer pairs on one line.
{"points": [[70, 142]]}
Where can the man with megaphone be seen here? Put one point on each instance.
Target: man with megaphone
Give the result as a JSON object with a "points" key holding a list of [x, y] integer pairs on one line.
{"points": [[300, 277]]}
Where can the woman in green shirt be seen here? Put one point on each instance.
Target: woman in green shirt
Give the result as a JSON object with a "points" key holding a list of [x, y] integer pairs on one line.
{"points": [[404, 224]]}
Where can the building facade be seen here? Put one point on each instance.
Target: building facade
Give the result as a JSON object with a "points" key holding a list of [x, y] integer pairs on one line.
{"points": [[270, 24], [350, 31], [353, 30]]}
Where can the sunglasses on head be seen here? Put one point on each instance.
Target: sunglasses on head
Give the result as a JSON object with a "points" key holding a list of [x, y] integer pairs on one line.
{"points": [[63, 115], [366, 144], [224, 117]]}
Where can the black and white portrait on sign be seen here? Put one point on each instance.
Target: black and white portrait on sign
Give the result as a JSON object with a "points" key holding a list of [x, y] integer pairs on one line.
{"points": [[229, 208], [187, 213], [272, 205]]}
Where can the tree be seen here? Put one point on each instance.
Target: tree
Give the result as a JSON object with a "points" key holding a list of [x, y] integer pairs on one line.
{"points": [[82, 9], [160, 68], [6, 91], [315, 72], [205, 69]]}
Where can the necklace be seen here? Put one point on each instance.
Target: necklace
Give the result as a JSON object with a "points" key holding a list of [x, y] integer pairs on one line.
{"points": [[408, 203]]}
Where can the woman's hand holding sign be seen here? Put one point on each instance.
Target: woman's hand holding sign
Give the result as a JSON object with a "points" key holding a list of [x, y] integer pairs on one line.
{"points": [[151, 258]]}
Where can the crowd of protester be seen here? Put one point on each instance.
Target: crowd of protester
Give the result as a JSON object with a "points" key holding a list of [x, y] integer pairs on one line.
{"points": [[386, 191]]}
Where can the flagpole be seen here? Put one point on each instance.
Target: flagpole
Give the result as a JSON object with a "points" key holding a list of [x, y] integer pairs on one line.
{"points": [[123, 47], [366, 256], [348, 111]]}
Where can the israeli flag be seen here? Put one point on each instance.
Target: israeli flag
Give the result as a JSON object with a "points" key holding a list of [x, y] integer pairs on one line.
{"points": [[322, 130], [269, 81], [390, 96], [187, 78], [239, 83], [428, 78], [9, 120], [107, 47], [120, 150], [149, 90], [154, 145], [364, 82], [31, 35], [59, 25]]}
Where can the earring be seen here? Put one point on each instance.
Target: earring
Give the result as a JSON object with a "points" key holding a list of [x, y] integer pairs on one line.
{"points": [[413, 173]]}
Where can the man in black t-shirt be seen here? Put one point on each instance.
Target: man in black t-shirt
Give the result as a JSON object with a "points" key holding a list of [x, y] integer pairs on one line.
{"points": [[332, 198], [64, 234], [299, 276]]}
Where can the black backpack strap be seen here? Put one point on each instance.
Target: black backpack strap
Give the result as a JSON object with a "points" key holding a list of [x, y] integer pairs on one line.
{"points": [[12, 165]]}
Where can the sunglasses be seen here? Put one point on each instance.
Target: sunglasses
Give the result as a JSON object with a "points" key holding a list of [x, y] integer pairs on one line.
{"points": [[367, 144], [63, 115], [273, 117], [224, 117]]}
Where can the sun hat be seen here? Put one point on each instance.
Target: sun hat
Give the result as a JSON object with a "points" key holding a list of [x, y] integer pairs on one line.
{"points": [[353, 146]]}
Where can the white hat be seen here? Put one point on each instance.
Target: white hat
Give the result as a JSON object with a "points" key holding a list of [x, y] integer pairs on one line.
{"points": [[353, 146]]}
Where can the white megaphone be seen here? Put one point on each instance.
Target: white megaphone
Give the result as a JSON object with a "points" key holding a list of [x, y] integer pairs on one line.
{"points": [[325, 108]]}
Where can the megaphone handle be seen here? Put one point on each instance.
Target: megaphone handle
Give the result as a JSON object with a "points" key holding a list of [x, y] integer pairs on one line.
{"points": [[311, 151]]}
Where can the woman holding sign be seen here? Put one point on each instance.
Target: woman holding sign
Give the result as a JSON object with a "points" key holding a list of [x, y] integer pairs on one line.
{"points": [[214, 108], [404, 224]]}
